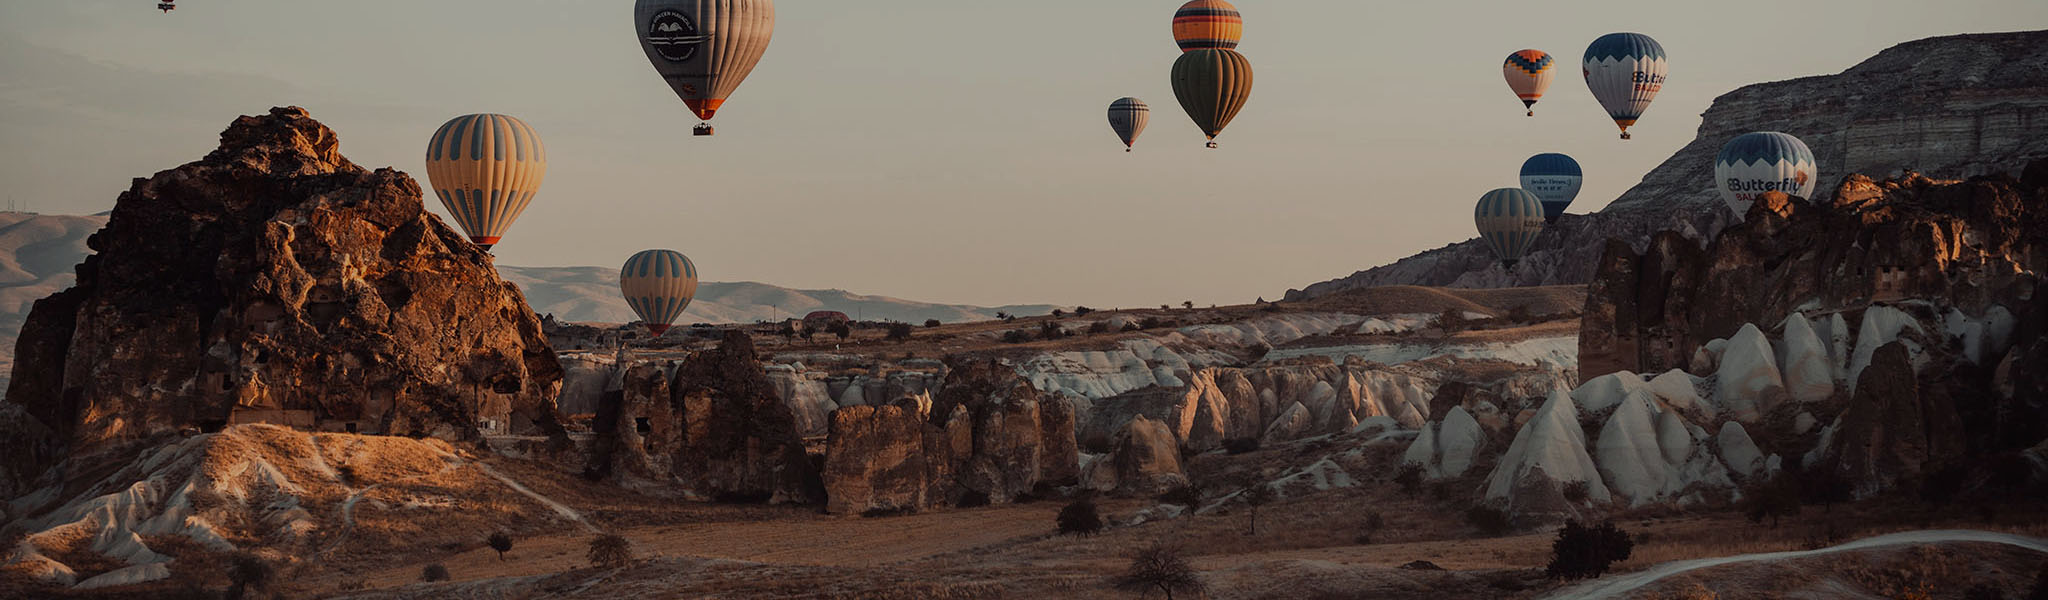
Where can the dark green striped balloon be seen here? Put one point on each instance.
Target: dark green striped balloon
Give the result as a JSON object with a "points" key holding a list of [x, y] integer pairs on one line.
{"points": [[1212, 85]]}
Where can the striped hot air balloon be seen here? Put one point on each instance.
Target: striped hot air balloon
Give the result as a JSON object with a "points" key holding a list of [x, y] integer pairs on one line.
{"points": [[658, 284], [1212, 86], [1207, 24], [1509, 219], [1529, 73], [1764, 161], [1128, 117], [704, 48], [1625, 72], [1555, 179], [486, 169]]}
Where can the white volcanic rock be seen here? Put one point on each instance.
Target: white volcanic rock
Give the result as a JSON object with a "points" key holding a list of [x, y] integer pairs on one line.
{"points": [[1834, 331], [1804, 359], [1292, 425], [1422, 452], [1738, 451], [1605, 392], [1707, 358], [1458, 441], [1548, 453], [1881, 325], [1680, 391], [1554, 352], [1748, 383], [1983, 339]]}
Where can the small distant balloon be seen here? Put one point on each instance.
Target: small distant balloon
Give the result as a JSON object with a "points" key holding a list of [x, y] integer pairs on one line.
{"points": [[486, 168], [1206, 25], [1509, 219], [659, 285], [1764, 161], [1554, 178], [1212, 85], [1128, 117], [1625, 72], [1529, 73]]}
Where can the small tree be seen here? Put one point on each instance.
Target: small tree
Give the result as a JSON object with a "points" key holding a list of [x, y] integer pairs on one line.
{"points": [[1187, 494], [434, 572], [1051, 331], [1080, 518], [250, 575], [1165, 307], [808, 331], [611, 551], [1098, 327], [930, 323], [1160, 567], [1016, 336], [899, 331], [1580, 552], [1451, 321], [1188, 304], [1409, 478], [1255, 497], [1002, 316], [840, 329], [502, 543], [1058, 313], [1082, 311], [1773, 500]]}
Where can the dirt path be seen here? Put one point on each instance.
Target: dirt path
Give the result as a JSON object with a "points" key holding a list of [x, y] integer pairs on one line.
{"points": [[559, 508], [1619, 585], [348, 506]]}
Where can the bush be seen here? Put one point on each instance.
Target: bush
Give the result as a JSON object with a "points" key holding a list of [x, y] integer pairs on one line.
{"points": [[1520, 315], [1189, 495], [1773, 500], [1058, 313], [1491, 521], [1374, 522], [434, 572], [840, 329], [500, 542], [250, 573], [1080, 518], [1051, 331], [611, 551], [1580, 552], [1016, 336], [1241, 445], [1130, 327], [973, 499], [1188, 304], [929, 323], [1082, 311], [1160, 567], [899, 331], [1577, 492], [1098, 327], [1150, 323], [1255, 497], [1409, 478], [1452, 321]]}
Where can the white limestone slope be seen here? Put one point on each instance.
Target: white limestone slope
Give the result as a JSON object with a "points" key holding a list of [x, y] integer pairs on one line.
{"points": [[1550, 450], [1748, 382], [1808, 376]]}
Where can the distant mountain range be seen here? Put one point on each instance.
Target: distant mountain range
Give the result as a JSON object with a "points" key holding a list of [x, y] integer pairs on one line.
{"points": [[38, 252]]}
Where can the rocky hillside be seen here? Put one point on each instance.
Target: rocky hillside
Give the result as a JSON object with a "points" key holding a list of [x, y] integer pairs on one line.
{"points": [[37, 253], [1948, 107], [591, 294]]}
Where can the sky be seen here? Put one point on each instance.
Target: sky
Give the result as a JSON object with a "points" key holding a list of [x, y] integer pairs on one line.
{"points": [[938, 150]]}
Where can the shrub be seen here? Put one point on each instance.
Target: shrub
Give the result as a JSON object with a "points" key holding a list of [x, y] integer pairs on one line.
{"points": [[1576, 492], [1374, 522], [250, 573], [1184, 495], [1080, 518], [611, 551], [1189, 304], [1058, 313], [1160, 567], [899, 331], [1098, 327], [1580, 552], [1488, 520], [973, 499], [1773, 500], [1051, 331], [1520, 315], [1451, 321], [1082, 311], [1255, 497], [840, 329], [929, 323], [500, 542], [1259, 351], [1002, 316], [1016, 336], [1129, 327], [1241, 445], [1409, 478], [434, 572]]}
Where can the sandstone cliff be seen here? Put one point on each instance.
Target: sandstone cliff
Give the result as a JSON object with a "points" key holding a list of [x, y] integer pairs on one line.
{"points": [[1949, 107], [275, 281]]}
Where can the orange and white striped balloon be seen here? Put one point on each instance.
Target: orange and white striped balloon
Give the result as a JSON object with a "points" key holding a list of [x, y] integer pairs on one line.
{"points": [[486, 168]]}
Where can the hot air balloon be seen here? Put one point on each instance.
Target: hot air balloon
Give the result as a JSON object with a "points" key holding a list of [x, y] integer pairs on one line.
{"points": [[1509, 219], [1207, 24], [486, 168], [1529, 73], [1625, 71], [1764, 161], [1212, 85], [704, 48], [167, 6], [1555, 179], [1128, 117], [658, 284]]}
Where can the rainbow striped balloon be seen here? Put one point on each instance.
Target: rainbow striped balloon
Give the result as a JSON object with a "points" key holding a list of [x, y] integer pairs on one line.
{"points": [[658, 284], [1207, 25], [1509, 219], [486, 169]]}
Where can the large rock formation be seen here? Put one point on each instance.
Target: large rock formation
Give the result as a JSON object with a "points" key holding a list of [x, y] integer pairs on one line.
{"points": [[1952, 107], [275, 281]]}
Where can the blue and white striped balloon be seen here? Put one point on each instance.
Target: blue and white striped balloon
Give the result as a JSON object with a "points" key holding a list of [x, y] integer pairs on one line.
{"points": [[1554, 178], [1764, 161], [1625, 72], [659, 285], [1509, 219]]}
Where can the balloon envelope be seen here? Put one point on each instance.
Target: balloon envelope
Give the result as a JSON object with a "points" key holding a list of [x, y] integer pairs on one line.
{"points": [[1212, 85], [658, 284], [1509, 219], [1764, 161], [1207, 24], [1529, 73], [704, 48], [486, 169], [1625, 72], [1555, 179], [1128, 117]]}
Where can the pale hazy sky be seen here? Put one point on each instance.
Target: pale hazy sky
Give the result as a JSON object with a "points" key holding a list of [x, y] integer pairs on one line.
{"points": [[939, 150]]}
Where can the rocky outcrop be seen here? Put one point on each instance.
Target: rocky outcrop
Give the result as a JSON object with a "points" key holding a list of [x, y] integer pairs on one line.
{"points": [[275, 281], [987, 436], [1957, 106], [739, 440], [1144, 461], [1892, 431]]}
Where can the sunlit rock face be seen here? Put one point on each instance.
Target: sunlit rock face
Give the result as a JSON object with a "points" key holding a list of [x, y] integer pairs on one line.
{"points": [[275, 281]]}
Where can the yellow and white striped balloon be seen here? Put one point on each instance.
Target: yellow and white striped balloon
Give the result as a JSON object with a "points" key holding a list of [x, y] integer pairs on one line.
{"points": [[659, 285], [486, 169]]}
